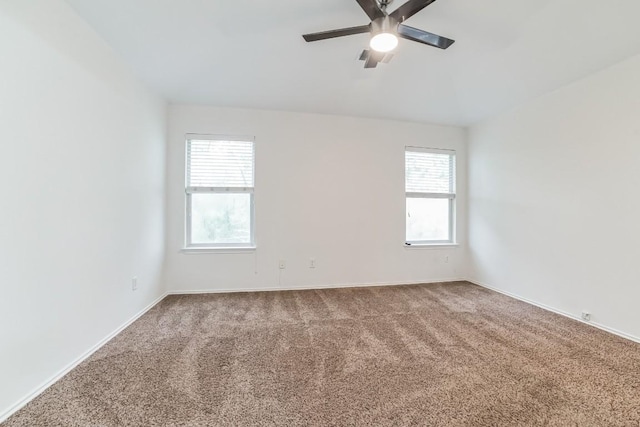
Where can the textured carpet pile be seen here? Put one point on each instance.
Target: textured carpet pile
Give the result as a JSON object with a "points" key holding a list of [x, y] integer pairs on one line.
{"points": [[443, 355]]}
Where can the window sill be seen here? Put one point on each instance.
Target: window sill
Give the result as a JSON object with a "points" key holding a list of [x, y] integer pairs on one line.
{"points": [[220, 250], [431, 245]]}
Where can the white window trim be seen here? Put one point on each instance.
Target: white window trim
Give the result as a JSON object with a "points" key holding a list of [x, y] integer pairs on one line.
{"points": [[417, 246], [224, 250], [219, 137], [190, 247], [429, 150], [452, 241]]}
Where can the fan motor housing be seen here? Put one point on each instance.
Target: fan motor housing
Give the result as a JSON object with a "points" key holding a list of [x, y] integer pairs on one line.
{"points": [[386, 24]]}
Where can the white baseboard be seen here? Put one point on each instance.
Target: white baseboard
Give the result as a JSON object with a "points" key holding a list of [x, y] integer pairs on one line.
{"points": [[560, 312], [38, 390], [310, 287]]}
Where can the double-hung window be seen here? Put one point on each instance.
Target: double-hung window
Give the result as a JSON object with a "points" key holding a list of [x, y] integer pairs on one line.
{"points": [[219, 191], [431, 195]]}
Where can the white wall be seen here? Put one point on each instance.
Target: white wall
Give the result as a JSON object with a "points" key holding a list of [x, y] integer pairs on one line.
{"points": [[82, 193], [553, 197], [327, 187]]}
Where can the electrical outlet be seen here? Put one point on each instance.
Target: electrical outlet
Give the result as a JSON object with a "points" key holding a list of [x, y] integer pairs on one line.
{"points": [[134, 284], [586, 316], [312, 263], [282, 264], [446, 259]]}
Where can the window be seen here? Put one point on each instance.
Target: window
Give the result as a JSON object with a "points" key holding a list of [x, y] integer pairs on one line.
{"points": [[430, 193], [219, 191]]}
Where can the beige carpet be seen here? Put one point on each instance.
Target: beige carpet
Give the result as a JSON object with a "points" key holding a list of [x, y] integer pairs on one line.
{"points": [[443, 355]]}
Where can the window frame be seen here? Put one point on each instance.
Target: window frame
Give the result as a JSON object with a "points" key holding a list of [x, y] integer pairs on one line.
{"points": [[451, 196], [190, 190]]}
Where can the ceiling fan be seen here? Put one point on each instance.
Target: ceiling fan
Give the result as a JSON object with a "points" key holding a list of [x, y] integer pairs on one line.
{"points": [[385, 28]]}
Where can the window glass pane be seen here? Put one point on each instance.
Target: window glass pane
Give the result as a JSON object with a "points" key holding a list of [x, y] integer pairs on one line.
{"points": [[427, 219], [218, 218]]}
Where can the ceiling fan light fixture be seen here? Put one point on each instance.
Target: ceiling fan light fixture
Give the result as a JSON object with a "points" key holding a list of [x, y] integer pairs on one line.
{"points": [[384, 42], [385, 29]]}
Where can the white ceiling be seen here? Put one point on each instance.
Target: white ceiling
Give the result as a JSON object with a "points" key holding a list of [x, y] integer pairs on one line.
{"points": [[250, 53]]}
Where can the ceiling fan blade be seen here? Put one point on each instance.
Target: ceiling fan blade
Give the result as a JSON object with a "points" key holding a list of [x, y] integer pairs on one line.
{"points": [[409, 9], [373, 58], [425, 37], [370, 63], [323, 35], [371, 8]]}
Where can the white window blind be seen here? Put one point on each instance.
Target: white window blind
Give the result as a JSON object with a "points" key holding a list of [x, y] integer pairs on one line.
{"points": [[429, 172], [220, 164]]}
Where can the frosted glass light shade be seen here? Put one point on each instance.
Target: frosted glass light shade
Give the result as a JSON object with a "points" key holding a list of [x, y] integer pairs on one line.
{"points": [[384, 42]]}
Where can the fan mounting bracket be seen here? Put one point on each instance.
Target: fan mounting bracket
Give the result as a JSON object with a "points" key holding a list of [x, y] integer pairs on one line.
{"points": [[384, 3]]}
